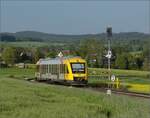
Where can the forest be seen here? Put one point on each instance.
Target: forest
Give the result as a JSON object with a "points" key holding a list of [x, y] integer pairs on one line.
{"points": [[130, 50]]}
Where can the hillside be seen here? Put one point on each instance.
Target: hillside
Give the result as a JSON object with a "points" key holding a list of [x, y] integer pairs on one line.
{"points": [[40, 36]]}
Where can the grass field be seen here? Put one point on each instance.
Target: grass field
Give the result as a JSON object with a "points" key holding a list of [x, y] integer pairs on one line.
{"points": [[17, 73], [22, 99], [131, 80], [118, 72], [136, 81]]}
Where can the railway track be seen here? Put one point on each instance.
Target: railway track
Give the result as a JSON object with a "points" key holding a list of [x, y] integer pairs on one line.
{"points": [[132, 94], [114, 91], [102, 89]]}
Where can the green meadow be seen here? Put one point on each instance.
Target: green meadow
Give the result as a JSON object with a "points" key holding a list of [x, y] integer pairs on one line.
{"points": [[131, 80], [119, 72], [23, 99], [19, 73]]}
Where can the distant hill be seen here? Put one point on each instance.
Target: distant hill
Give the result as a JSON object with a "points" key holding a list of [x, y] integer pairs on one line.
{"points": [[40, 36]]}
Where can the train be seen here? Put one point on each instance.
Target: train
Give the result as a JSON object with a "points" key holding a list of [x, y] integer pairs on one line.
{"points": [[72, 70]]}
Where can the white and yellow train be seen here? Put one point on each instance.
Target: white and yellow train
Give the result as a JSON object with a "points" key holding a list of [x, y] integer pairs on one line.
{"points": [[66, 69]]}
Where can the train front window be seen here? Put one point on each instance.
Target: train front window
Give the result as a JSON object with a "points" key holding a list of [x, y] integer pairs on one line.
{"points": [[78, 67]]}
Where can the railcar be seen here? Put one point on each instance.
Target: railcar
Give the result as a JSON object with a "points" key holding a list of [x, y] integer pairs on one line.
{"points": [[67, 69]]}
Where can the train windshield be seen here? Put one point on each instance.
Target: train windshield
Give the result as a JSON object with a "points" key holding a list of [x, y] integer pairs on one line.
{"points": [[78, 67]]}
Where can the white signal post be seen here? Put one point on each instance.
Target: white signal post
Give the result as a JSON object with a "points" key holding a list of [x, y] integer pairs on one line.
{"points": [[109, 54], [113, 78]]}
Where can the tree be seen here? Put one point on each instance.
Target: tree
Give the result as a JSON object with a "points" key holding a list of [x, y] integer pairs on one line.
{"points": [[146, 64], [91, 50], [7, 37], [9, 55], [51, 54], [122, 61], [146, 55], [36, 55], [139, 62]]}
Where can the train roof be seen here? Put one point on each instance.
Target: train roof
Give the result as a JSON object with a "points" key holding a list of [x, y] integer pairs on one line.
{"points": [[54, 60], [48, 61]]}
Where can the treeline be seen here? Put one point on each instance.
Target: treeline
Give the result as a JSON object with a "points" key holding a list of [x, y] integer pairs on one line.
{"points": [[128, 55], [124, 57], [12, 38], [46, 37]]}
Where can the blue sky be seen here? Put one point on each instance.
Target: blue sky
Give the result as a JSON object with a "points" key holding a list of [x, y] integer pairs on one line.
{"points": [[70, 17]]}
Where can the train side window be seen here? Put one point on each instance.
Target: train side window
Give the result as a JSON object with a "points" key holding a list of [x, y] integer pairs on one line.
{"points": [[46, 69], [43, 69], [62, 68], [52, 68], [57, 68], [49, 68], [54, 71]]}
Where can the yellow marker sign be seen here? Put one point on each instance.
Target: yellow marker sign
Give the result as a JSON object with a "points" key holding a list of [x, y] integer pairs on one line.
{"points": [[117, 83]]}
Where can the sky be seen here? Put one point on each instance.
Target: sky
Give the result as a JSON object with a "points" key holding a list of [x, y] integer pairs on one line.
{"points": [[75, 17]]}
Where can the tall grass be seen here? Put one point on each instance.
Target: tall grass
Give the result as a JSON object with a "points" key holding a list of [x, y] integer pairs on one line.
{"points": [[22, 99], [17, 72]]}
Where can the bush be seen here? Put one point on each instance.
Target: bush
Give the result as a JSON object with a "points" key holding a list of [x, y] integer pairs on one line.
{"points": [[2, 65], [11, 76], [31, 66]]}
